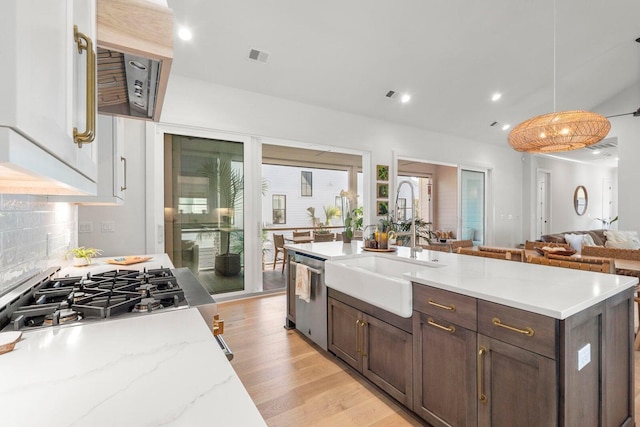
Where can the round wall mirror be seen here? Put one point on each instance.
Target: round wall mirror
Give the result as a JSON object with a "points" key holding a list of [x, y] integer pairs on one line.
{"points": [[580, 200]]}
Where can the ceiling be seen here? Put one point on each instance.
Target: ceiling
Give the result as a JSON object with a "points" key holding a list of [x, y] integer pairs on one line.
{"points": [[450, 56]]}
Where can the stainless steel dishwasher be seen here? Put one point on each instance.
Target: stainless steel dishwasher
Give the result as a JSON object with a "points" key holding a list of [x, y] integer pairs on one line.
{"points": [[311, 317]]}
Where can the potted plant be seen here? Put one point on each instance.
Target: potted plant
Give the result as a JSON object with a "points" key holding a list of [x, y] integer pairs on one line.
{"points": [[82, 256], [352, 222], [228, 183]]}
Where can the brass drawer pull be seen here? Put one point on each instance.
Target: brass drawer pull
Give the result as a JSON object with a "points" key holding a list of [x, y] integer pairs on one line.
{"points": [[358, 337], [527, 331], [451, 328], [445, 307], [363, 351], [85, 43], [481, 396]]}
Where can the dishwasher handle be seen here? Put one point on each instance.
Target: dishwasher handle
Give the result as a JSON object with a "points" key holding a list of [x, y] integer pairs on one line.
{"points": [[311, 269]]}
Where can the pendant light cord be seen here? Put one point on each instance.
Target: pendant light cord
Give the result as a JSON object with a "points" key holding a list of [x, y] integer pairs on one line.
{"points": [[554, 56]]}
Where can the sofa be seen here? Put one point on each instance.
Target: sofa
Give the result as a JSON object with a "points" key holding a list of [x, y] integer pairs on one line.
{"points": [[598, 236]]}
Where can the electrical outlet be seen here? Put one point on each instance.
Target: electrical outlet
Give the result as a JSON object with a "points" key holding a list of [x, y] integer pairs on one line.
{"points": [[108, 226], [584, 356], [85, 227]]}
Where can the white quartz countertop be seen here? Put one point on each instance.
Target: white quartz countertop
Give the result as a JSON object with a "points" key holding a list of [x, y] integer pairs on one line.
{"points": [[550, 291], [327, 250], [160, 369], [100, 265]]}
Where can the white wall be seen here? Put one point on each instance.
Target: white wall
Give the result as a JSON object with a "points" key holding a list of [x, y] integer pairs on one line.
{"points": [[128, 238], [200, 104], [565, 177], [627, 130]]}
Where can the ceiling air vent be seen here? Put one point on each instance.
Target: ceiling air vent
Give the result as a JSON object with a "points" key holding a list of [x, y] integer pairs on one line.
{"points": [[392, 94], [606, 143], [259, 55]]}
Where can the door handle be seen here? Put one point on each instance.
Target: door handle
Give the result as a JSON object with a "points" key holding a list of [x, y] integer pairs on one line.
{"points": [[84, 43], [124, 159]]}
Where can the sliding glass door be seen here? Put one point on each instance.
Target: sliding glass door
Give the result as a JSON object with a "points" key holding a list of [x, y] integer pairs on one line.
{"points": [[472, 205], [204, 209]]}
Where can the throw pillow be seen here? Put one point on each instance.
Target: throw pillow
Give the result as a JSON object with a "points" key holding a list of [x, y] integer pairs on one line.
{"points": [[575, 240], [587, 240], [622, 239]]}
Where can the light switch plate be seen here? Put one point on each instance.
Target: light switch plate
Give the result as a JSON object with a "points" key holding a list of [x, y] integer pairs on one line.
{"points": [[108, 226], [584, 356], [85, 227]]}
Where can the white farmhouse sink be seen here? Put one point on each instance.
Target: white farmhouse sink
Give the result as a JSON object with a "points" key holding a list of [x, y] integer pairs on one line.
{"points": [[376, 279]]}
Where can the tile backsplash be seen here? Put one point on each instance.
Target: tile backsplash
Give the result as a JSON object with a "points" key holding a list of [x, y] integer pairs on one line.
{"points": [[34, 234]]}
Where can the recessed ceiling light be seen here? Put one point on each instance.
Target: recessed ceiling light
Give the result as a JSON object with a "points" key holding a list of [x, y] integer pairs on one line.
{"points": [[596, 152], [496, 96], [405, 98], [505, 127], [184, 33]]}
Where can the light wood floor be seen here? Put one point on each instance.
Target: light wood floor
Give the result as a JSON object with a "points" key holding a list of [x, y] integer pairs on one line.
{"points": [[294, 383]]}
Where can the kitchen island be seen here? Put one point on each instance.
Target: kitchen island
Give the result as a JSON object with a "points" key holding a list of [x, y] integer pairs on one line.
{"points": [[489, 342], [160, 368]]}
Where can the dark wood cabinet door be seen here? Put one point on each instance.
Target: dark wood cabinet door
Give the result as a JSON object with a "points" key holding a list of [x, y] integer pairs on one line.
{"points": [[387, 358], [444, 372], [519, 386], [290, 277], [345, 332]]}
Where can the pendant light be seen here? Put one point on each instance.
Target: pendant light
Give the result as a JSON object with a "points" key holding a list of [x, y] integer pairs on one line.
{"points": [[559, 131]]}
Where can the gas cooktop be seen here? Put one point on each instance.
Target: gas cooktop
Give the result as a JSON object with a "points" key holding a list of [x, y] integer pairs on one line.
{"points": [[47, 300]]}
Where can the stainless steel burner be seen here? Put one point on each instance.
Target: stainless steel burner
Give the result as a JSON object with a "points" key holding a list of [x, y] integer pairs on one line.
{"points": [[146, 289], [146, 305], [66, 315]]}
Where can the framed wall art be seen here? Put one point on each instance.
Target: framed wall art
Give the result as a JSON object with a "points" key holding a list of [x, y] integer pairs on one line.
{"points": [[382, 172], [382, 190]]}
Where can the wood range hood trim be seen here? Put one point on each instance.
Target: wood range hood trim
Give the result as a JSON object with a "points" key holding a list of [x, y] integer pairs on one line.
{"points": [[141, 28]]}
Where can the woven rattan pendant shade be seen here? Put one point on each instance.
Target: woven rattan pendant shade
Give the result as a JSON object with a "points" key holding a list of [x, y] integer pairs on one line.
{"points": [[561, 131]]}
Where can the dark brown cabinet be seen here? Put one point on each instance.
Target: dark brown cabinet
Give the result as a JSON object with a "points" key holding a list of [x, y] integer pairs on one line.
{"points": [[486, 364], [516, 387], [444, 372], [444, 340], [380, 351]]}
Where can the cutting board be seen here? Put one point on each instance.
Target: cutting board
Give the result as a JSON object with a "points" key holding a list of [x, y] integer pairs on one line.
{"points": [[127, 260], [8, 340]]}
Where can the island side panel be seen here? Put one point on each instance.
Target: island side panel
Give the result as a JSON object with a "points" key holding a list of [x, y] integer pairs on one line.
{"points": [[618, 375], [596, 366]]}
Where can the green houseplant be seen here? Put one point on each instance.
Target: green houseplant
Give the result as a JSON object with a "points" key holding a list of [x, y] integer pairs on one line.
{"points": [[352, 222], [228, 184], [82, 256]]}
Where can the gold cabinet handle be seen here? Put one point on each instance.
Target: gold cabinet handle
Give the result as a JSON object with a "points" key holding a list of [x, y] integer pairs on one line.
{"points": [[432, 322], [526, 331], [358, 337], [363, 325], [481, 396], [124, 159], [445, 307], [84, 43]]}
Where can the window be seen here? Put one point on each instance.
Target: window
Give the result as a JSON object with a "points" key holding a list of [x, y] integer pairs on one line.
{"points": [[402, 208], [307, 188], [279, 207]]}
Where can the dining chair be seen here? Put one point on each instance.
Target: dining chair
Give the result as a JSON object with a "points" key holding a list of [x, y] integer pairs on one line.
{"points": [[301, 234], [455, 244], [278, 248], [495, 253], [597, 264], [323, 237]]}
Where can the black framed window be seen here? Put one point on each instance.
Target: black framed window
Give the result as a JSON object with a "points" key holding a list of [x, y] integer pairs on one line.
{"points": [[306, 189], [279, 208]]}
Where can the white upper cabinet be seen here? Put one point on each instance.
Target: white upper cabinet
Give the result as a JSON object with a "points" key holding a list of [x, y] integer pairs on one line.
{"points": [[112, 166], [47, 88]]}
